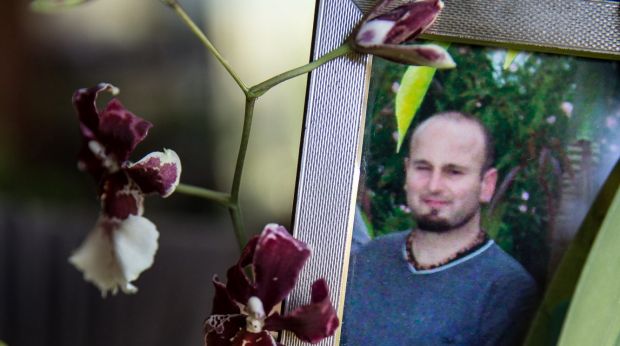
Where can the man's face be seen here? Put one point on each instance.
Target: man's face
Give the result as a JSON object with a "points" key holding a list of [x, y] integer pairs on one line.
{"points": [[444, 183]]}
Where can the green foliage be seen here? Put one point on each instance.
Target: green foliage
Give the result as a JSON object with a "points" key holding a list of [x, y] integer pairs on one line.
{"points": [[413, 87], [411, 92]]}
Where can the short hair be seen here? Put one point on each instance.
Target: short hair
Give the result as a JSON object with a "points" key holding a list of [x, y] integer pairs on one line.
{"points": [[489, 145]]}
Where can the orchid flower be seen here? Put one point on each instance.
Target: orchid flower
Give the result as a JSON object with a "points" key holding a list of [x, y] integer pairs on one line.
{"points": [[384, 29], [123, 242], [243, 309]]}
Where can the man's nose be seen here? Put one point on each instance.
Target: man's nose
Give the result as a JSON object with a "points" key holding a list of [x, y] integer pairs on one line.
{"points": [[436, 182]]}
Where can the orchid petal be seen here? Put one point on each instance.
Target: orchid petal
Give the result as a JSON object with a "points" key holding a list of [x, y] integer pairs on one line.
{"points": [[222, 302], [397, 25], [431, 55], [221, 329], [278, 259], [97, 260], [121, 197], [157, 172], [311, 322], [245, 338], [120, 131], [238, 285], [116, 252], [89, 162], [390, 24], [136, 244], [84, 101]]}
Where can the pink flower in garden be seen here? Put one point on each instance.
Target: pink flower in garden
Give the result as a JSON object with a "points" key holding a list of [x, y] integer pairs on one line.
{"points": [[611, 122], [389, 24], [567, 108], [525, 195], [395, 87], [123, 242], [243, 309]]}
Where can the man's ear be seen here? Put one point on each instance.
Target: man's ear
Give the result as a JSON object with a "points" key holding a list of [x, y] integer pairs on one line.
{"points": [[487, 188]]}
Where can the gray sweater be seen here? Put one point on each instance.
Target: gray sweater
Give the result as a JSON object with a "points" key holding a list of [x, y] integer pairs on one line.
{"points": [[483, 298]]}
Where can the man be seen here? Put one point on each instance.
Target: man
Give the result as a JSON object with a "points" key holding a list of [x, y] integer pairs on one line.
{"points": [[444, 283]]}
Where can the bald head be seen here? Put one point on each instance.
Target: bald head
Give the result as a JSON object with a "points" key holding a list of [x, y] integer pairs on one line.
{"points": [[437, 124]]}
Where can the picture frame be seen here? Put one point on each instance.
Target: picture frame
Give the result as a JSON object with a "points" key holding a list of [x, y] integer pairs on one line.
{"points": [[337, 94]]}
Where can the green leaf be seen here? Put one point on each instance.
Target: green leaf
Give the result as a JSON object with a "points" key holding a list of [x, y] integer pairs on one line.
{"points": [[594, 314], [511, 54], [2, 343], [548, 320], [51, 5], [413, 88]]}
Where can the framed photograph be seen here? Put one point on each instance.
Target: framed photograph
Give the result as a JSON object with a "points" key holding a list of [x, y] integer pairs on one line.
{"points": [[542, 77]]}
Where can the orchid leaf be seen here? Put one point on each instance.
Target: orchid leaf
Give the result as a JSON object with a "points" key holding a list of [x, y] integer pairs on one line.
{"points": [[413, 88], [549, 318], [51, 5], [593, 317], [511, 55]]}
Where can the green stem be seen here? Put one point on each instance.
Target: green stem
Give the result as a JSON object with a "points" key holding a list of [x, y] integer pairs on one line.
{"points": [[237, 220], [203, 38], [235, 208], [215, 196], [261, 88], [243, 148]]}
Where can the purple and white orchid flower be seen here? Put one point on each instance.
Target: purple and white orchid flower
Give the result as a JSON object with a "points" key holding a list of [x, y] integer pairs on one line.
{"points": [[243, 308], [123, 242], [389, 24]]}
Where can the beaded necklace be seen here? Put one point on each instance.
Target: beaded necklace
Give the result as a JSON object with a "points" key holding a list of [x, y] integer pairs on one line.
{"points": [[478, 242]]}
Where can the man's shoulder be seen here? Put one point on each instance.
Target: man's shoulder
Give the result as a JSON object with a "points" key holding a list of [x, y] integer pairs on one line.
{"points": [[382, 242], [507, 269], [380, 252]]}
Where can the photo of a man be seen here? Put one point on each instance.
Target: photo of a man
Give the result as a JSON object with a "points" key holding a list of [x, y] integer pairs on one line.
{"points": [[444, 282]]}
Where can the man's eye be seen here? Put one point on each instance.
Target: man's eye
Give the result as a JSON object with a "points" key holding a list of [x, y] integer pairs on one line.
{"points": [[422, 168], [454, 172]]}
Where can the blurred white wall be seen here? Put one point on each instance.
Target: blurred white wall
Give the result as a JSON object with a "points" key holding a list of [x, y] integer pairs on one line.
{"points": [[260, 38]]}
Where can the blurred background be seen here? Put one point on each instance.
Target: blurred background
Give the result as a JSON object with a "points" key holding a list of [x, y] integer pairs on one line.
{"points": [[165, 76]]}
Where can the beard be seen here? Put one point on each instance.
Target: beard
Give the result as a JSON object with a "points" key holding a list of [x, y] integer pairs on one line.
{"points": [[431, 223]]}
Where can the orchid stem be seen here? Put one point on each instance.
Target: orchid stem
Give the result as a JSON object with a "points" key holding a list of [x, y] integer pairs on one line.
{"points": [[215, 196], [237, 220], [243, 148], [263, 87], [203, 38]]}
